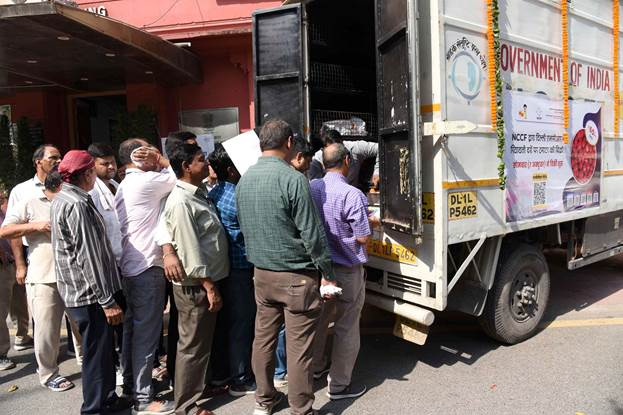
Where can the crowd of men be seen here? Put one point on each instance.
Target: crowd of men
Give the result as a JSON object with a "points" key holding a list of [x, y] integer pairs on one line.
{"points": [[248, 267]]}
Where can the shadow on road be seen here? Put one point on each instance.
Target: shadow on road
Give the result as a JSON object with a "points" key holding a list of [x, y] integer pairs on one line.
{"points": [[617, 409], [393, 359], [579, 289], [30, 365], [457, 339]]}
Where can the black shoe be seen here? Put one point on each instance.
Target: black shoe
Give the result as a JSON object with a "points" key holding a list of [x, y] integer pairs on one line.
{"points": [[321, 373], [268, 409], [27, 344], [242, 390], [219, 382], [351, 391], [118, 404]]}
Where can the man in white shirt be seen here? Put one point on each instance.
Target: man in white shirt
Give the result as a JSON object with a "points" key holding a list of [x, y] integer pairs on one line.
{"points": [[138, 201], [103, 195], [45, 158], [30, 218]]}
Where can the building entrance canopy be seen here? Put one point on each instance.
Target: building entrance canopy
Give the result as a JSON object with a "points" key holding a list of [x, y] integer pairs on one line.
{"points": [[49, 44]]}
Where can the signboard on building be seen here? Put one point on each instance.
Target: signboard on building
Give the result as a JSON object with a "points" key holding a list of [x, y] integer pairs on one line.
{"points": [[100, 10], [221, 123]]}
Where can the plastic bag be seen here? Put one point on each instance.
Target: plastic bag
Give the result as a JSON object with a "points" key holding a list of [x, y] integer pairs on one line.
{"points": [[351, 127]]}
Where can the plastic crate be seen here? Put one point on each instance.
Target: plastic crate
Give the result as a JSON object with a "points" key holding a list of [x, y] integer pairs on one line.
{"points": [[343, 78], [319, 117]]}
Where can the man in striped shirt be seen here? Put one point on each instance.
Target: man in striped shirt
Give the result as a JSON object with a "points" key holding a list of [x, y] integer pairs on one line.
{"points": [[87, 278]]}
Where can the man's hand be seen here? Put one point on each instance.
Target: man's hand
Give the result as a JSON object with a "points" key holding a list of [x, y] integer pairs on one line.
{"points": [[42, 226], [150, 158], [173, 269], [114, 315], [376, 180], [375, 221], [20, 274], [214, 296], [146, 154], [324, 281]]}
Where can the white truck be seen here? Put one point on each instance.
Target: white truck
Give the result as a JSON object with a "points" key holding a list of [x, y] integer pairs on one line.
{"points": [[499, 135]]}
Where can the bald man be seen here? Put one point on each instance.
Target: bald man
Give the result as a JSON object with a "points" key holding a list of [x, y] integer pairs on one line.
{"points": [[344, 212]]}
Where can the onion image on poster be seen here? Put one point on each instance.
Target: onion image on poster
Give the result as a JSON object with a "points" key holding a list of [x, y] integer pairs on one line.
{"points": [[583, 189]]}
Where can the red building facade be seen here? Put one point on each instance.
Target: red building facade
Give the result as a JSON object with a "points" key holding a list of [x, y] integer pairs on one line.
{"points": [[218, 32]]}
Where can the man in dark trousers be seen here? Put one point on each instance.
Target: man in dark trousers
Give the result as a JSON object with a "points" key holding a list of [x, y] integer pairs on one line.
{"points": [[235, 324], [287, 244], [87, 279]]}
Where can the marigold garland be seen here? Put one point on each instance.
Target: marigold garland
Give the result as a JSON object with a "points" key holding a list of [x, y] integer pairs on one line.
{"points": [[565, 68], [615, 63], [495, 84]]}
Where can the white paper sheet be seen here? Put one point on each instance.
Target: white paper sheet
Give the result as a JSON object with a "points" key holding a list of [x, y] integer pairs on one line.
{"points": [[244, 150]]}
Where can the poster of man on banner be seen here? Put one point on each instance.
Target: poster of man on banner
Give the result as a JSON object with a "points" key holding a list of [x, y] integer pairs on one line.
{"points": [[545, 175]]}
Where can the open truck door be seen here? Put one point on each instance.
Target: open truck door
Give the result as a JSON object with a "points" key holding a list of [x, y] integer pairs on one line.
{"points": [[398, 115], [278, 65]]}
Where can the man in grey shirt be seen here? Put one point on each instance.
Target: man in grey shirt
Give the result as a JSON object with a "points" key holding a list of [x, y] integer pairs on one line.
{"points": [[360, 152]]}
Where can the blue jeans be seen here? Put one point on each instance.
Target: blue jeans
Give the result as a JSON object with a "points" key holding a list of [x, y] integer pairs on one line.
{"points": [[235, 328], [281, 366], [144, 295]]}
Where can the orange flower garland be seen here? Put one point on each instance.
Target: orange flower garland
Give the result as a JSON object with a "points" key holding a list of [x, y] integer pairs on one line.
{"points": [[615, 63], [565, 68]]}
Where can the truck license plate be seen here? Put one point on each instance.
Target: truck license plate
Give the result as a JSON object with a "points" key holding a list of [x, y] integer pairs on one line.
{"points": [[410, 330], [393, 252]]}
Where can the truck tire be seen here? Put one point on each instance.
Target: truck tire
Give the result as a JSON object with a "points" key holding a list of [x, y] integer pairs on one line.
{"points": [[518, 299]]}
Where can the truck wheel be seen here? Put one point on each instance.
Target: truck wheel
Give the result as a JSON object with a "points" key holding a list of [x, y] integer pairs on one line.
{"points": [[519, 296]]}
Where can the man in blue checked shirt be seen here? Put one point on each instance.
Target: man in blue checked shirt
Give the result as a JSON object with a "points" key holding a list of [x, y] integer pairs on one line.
{"points": [[237, 318]]}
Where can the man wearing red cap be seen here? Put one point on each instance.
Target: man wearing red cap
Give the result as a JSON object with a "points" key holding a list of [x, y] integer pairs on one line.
{"points": [[87, 278]]}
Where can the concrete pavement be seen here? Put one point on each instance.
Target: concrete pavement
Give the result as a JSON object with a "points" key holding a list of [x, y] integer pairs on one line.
{"points": [[575, 365]]}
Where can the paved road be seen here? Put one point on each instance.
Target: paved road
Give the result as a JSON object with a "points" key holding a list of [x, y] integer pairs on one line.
{"points": [[575, 365]]}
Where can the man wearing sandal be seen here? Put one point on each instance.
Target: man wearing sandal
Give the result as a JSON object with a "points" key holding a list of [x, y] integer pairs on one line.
{"points": [[30, 218], [88, 279]]}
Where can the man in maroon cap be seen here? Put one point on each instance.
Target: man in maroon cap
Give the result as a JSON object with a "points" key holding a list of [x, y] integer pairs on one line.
{"points": [[87, 278]]}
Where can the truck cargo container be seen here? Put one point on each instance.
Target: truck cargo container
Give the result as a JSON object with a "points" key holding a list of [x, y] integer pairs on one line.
{"points": [[499, 135]]}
